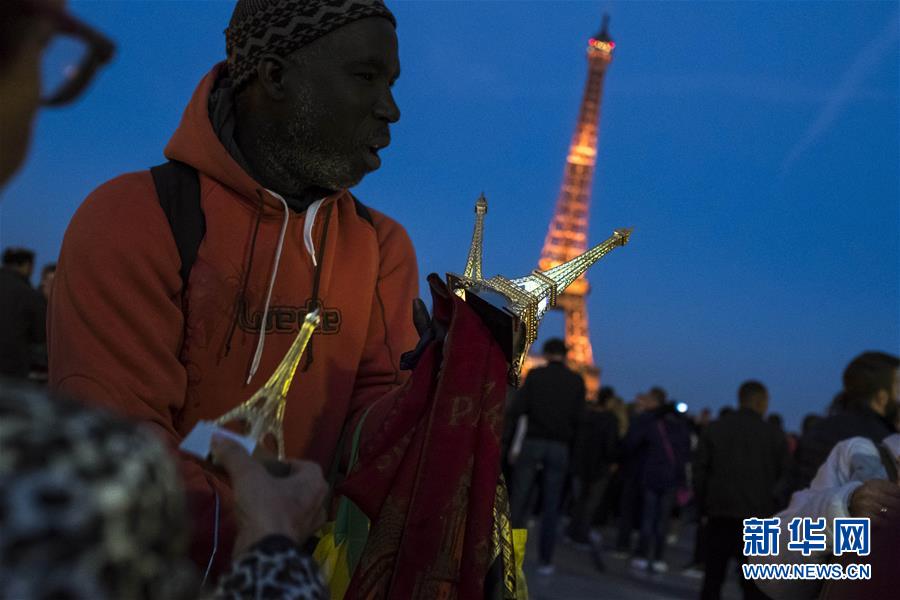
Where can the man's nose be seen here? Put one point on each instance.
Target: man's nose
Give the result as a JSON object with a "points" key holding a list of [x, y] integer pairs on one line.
{"points": [[387, 108]]}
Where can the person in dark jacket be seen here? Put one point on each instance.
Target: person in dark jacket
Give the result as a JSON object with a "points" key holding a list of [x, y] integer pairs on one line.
{"points": [[631, 464], [738, 463], [553, 400], [867, 407], [23, 312], [595, 451], [663, 441]]}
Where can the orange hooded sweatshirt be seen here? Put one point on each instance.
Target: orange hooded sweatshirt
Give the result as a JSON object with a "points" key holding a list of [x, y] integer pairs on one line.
{"points": [[123, 335]]}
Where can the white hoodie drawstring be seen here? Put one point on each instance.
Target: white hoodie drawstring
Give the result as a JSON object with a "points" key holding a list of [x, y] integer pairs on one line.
{"points": [[311, 212]]}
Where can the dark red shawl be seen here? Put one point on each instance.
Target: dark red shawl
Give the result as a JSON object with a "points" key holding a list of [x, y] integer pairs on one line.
{"points": [[428, 467]]}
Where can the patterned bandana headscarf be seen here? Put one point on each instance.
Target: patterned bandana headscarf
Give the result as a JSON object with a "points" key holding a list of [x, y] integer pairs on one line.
{"points": [[90, 506], [280, 27]]}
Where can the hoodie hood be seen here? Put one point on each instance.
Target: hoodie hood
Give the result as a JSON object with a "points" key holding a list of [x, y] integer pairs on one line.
{"points": [[195, 143]]}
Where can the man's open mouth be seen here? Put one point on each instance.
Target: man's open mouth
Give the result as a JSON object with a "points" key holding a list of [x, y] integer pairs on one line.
{"points": [[378, 145]]}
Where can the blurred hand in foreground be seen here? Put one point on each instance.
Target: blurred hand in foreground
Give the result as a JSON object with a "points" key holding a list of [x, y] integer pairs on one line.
{"points": [[267, 505], [877, 499]]}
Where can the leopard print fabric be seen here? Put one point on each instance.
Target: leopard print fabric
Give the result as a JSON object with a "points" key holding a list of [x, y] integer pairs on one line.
{"points": [[90, 506], [274, 568]]}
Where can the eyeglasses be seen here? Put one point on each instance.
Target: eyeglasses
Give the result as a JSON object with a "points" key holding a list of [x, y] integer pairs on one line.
{"points": [[72, 56]]}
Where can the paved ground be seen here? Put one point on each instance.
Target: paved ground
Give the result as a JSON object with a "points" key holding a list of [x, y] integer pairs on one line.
{"points": [[576, 578]]}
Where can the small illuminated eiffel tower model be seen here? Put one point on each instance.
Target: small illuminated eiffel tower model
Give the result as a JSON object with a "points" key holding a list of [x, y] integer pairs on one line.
{"points": [[512, 308], [263, 413]]}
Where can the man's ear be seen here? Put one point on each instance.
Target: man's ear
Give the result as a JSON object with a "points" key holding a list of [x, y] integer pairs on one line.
{"points": [[270, 74]]}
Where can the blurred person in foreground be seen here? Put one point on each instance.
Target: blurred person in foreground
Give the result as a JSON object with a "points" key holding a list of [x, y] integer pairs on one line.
{"points": [[553, 401], [22, 313], [858, 480], [90, 506], [93, 509], [866, 407], [662, 439], [739, 460]]}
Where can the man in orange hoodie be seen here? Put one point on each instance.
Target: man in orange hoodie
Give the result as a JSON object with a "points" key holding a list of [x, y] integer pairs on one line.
{"points": [[276, 134]]}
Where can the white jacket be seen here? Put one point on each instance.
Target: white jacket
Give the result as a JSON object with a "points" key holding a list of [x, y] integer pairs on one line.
{"points": [[850, 463]]}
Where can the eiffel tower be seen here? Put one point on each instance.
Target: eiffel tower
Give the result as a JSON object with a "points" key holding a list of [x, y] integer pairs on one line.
{"points": [[567, 236]]}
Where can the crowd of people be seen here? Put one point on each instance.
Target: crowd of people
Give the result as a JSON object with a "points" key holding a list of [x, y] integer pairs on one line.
{"points": [[628, 469], [167, 308]]}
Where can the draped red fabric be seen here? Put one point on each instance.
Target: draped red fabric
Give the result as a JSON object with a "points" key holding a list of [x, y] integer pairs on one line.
{"points": [[426, 478], [885, 564]]}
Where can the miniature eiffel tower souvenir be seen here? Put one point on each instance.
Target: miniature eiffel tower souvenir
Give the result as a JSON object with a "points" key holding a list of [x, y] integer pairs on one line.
{"points": [[262, 415], [512, 308]]}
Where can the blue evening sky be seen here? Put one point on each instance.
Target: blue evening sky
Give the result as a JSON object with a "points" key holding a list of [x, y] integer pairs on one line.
{"points": [[752, 146]]}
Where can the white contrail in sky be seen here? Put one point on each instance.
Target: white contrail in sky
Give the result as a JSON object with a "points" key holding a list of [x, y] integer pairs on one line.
{"points": [[852, 79]]}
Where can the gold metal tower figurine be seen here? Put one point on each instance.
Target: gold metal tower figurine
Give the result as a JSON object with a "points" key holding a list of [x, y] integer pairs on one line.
{"points": [[513, 308], [263, 413], [473, 261]]}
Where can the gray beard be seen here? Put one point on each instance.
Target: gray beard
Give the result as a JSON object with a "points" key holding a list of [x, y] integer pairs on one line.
{"points": [[296, 158]]}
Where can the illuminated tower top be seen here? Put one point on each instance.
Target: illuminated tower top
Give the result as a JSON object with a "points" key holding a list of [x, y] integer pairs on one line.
{"points": [[601, 45], [567, 236]]}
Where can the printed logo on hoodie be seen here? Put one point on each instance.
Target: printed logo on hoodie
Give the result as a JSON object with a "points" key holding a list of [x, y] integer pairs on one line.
{"points": [[288, 319]]}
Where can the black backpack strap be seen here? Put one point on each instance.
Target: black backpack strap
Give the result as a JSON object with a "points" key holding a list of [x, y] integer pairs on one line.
{"points": [[178, 189], [887, 459], [362, 211]]}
